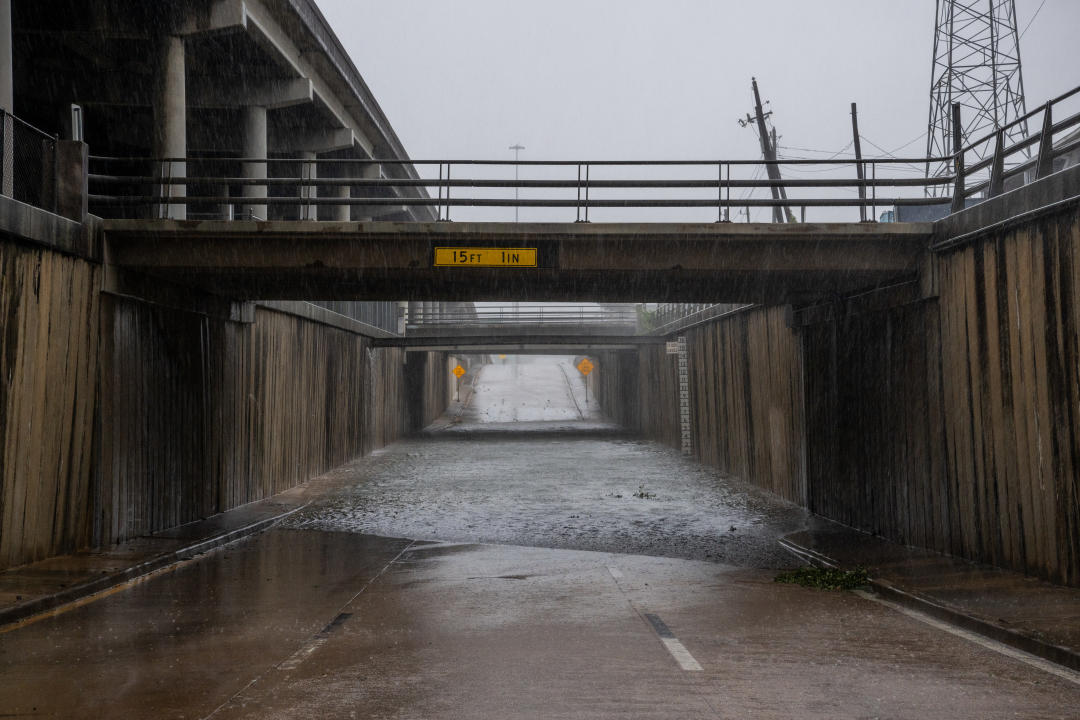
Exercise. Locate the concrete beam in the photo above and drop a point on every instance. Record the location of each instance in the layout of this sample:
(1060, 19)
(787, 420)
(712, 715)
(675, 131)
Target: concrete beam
(271, 94)
(520, 340)
(624, 262)
(28, 224)
(217, 16)
(320, 141)
(959, 228)
(265, 30)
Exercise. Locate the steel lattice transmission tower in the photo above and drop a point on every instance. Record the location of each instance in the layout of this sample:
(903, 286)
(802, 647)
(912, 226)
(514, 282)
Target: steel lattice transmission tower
(977, 64)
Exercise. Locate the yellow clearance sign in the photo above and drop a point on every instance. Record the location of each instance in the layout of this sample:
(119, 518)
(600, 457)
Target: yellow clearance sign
(484, 257)
(585, 367)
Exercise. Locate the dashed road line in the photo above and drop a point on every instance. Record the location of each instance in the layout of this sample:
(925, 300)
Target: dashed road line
(677, 649)
(314, 644)
(671, 643)
(294, 660)
(1027, 658)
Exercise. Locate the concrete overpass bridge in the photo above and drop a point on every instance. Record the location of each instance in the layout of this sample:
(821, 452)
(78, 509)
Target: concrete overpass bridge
(608, 262)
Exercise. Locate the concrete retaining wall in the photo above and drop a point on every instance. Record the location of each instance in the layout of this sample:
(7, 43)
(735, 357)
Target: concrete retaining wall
(48, 390)
(121, 417)
(948, 422)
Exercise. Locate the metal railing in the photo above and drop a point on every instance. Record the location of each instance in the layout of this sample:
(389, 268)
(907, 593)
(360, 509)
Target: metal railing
(28, 171)
(298, 188)
(529, 314)
(218, 185)
(1003, 167)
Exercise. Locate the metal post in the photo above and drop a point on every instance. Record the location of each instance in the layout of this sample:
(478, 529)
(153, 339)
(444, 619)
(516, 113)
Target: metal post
(578, 218)
(516, 148)
(719, 192)
(308, 171)
(997, 169)
(440, 192)
(586, 192)
(727, 208)
(447, 192)
(1045, 165)
(873, 192)
(958, 159)
(859, 170)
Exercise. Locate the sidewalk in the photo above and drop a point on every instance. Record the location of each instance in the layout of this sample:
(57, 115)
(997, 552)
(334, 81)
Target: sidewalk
(1026, 613)
(31, 589)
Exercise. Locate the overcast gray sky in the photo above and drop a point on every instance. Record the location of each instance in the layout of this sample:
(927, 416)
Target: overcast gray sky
(572, 79)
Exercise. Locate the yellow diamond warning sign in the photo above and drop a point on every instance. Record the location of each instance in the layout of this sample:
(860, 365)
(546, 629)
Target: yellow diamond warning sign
(585, 366)
(459, 371)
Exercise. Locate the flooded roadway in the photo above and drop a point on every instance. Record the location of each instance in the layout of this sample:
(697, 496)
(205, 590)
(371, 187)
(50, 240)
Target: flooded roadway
(516, 577)
(543, 473)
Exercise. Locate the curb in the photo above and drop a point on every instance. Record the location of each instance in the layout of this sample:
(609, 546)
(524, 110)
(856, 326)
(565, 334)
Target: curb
(1057, 654)
(44, 604)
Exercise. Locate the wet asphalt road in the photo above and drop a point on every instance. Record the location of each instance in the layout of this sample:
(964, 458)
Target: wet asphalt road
(651, 608)
(312, 624)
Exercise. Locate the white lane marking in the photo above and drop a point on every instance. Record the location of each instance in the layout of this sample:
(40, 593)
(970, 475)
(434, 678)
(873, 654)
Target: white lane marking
(357, 594)
(677, 649)
(301, 655)
(681, 654)
(1024, 657)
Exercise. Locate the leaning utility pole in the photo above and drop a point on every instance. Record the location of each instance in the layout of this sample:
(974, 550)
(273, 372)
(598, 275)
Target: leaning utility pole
(976, 63)
(768, 150)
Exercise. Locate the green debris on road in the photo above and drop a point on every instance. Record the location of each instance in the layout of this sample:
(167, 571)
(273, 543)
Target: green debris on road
(825, 578)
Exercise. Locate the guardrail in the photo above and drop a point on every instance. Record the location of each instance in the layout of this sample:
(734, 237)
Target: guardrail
(1008, 165)
(298, 188)
(529, 315)
(28, 172)
(220, 186)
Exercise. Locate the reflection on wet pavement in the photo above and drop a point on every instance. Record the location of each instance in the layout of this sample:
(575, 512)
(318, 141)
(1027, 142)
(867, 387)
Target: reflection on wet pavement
(554, 483)
(527, 389)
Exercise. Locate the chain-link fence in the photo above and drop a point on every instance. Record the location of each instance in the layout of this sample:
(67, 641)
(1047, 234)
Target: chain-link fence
(28, 171)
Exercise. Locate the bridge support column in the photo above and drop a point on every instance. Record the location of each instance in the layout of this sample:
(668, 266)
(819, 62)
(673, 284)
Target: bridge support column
(7, 98)
(308, 171)
(170, 124)
(342, 213)
(254, 147)
(372, 171)
(225, 210)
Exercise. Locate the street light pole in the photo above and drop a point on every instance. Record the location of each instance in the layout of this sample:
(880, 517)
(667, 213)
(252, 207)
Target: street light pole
(516, 148)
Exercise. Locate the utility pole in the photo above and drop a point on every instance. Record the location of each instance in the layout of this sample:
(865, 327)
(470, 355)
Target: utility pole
(516, 148)
(768, 150)
(859, 170)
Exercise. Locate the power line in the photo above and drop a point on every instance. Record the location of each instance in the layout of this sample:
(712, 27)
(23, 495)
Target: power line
(1032, 19)
(915, 139)
(887, 153)
(823, 152)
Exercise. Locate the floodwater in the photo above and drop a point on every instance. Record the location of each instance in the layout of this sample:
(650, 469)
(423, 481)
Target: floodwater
(519, 469)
